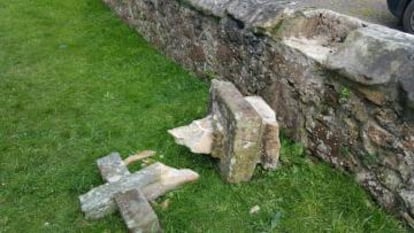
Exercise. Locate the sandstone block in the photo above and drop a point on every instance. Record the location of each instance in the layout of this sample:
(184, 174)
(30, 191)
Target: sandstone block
(270, 143)
(240, 131)
(198, 136)
(112, 167)
(170, 179)
(154, 181)
(137, 212)
(237, 132)
(372, 56)
(99, 202)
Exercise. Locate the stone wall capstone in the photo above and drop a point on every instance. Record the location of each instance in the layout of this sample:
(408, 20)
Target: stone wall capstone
(341, 86)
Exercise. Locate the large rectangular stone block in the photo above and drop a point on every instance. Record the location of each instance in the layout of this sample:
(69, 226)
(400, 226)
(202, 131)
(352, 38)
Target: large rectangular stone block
(154, 181)
(237, 134)
(99, 201)
(137, 212)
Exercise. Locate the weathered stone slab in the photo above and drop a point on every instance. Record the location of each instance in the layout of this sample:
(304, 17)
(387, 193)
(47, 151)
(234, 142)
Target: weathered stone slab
(270, 143)
(137, 212)
(237, 132)
(261, 13)
(210, 7)
(198, 136)
(99, 202)
(154, 181)
(372, 56)
(112, 167)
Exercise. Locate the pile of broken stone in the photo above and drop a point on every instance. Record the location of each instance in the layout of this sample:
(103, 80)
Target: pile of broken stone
(240, 131)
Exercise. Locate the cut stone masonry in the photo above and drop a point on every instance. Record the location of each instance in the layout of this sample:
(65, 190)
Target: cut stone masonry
(131, 193)
(342, 87)
(240, 131)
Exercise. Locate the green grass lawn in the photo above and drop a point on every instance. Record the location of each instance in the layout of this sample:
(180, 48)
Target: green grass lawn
(77, 84)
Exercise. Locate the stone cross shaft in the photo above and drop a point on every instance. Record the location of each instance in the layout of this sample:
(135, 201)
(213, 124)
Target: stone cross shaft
(240, 131)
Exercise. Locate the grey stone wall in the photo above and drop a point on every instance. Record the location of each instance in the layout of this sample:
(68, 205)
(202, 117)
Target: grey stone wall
(341, 86)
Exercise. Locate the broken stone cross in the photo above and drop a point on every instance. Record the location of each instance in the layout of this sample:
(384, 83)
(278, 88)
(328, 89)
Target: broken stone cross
(131, 193)
(240, 131)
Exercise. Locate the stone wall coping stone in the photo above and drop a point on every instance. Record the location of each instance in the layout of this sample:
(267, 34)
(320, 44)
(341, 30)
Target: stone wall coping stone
(370, 45)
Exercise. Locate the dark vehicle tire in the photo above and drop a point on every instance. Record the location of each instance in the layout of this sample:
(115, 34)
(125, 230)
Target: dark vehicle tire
(408, 18)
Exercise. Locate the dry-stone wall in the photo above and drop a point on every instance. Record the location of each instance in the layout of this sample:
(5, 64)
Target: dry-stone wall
(341, 86)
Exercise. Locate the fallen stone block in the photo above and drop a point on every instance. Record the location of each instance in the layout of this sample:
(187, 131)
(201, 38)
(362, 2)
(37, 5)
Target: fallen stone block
(237, 132)
(99, 201)
(135, 209)
(137, 212)
(246, 132)
(240, 131)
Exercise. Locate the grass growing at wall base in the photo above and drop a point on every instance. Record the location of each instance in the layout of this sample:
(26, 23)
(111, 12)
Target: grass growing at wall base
(76, 84)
